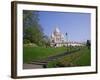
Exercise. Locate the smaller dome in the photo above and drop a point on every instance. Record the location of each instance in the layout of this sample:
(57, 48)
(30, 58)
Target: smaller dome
(52, 35)
(62, 35)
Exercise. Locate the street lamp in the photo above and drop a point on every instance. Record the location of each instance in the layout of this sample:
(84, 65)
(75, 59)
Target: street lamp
(67, 40)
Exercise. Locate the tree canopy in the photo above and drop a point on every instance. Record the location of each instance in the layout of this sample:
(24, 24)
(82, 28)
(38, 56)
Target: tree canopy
(88, 44)
(32, 30)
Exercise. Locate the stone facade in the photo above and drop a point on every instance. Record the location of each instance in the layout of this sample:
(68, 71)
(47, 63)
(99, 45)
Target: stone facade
(57, 39)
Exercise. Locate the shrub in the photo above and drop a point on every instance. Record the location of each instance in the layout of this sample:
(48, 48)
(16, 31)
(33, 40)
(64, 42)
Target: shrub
(26, 41)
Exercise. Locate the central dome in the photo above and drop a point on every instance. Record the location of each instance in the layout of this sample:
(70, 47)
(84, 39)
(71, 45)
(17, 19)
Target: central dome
(57, 30)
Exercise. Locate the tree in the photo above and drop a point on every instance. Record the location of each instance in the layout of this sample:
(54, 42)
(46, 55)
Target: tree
(32, 30)
(46, 41)
(88, 44)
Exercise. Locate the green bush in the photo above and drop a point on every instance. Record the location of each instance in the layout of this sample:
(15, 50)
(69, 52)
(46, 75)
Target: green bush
(26, 41)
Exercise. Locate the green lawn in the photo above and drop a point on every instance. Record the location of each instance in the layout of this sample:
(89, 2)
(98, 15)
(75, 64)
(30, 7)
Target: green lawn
(84, 59)
(36, 53)
(80, 58)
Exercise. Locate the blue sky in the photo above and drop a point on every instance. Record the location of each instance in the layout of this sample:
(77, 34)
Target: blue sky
(77, 25)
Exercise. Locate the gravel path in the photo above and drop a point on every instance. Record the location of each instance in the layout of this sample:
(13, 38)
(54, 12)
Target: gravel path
(32, 66)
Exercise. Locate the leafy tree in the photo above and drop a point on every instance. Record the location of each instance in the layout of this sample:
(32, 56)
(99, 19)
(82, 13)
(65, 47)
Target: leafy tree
(32, 30)
(46, 41)
(88, 44)
(26, 41)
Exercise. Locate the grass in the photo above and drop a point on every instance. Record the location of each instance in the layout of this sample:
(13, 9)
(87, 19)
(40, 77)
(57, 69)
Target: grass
(36, 53)
(80, 58)
(84, 59)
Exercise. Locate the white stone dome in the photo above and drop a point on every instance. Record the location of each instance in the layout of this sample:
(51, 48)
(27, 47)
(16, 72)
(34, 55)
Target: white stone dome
(57, 30)
(52, 35)
(62, 36)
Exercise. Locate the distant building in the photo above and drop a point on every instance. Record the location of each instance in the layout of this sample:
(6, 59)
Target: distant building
(57, 39)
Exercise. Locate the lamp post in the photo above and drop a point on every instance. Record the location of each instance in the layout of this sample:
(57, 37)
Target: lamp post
(67, 40)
